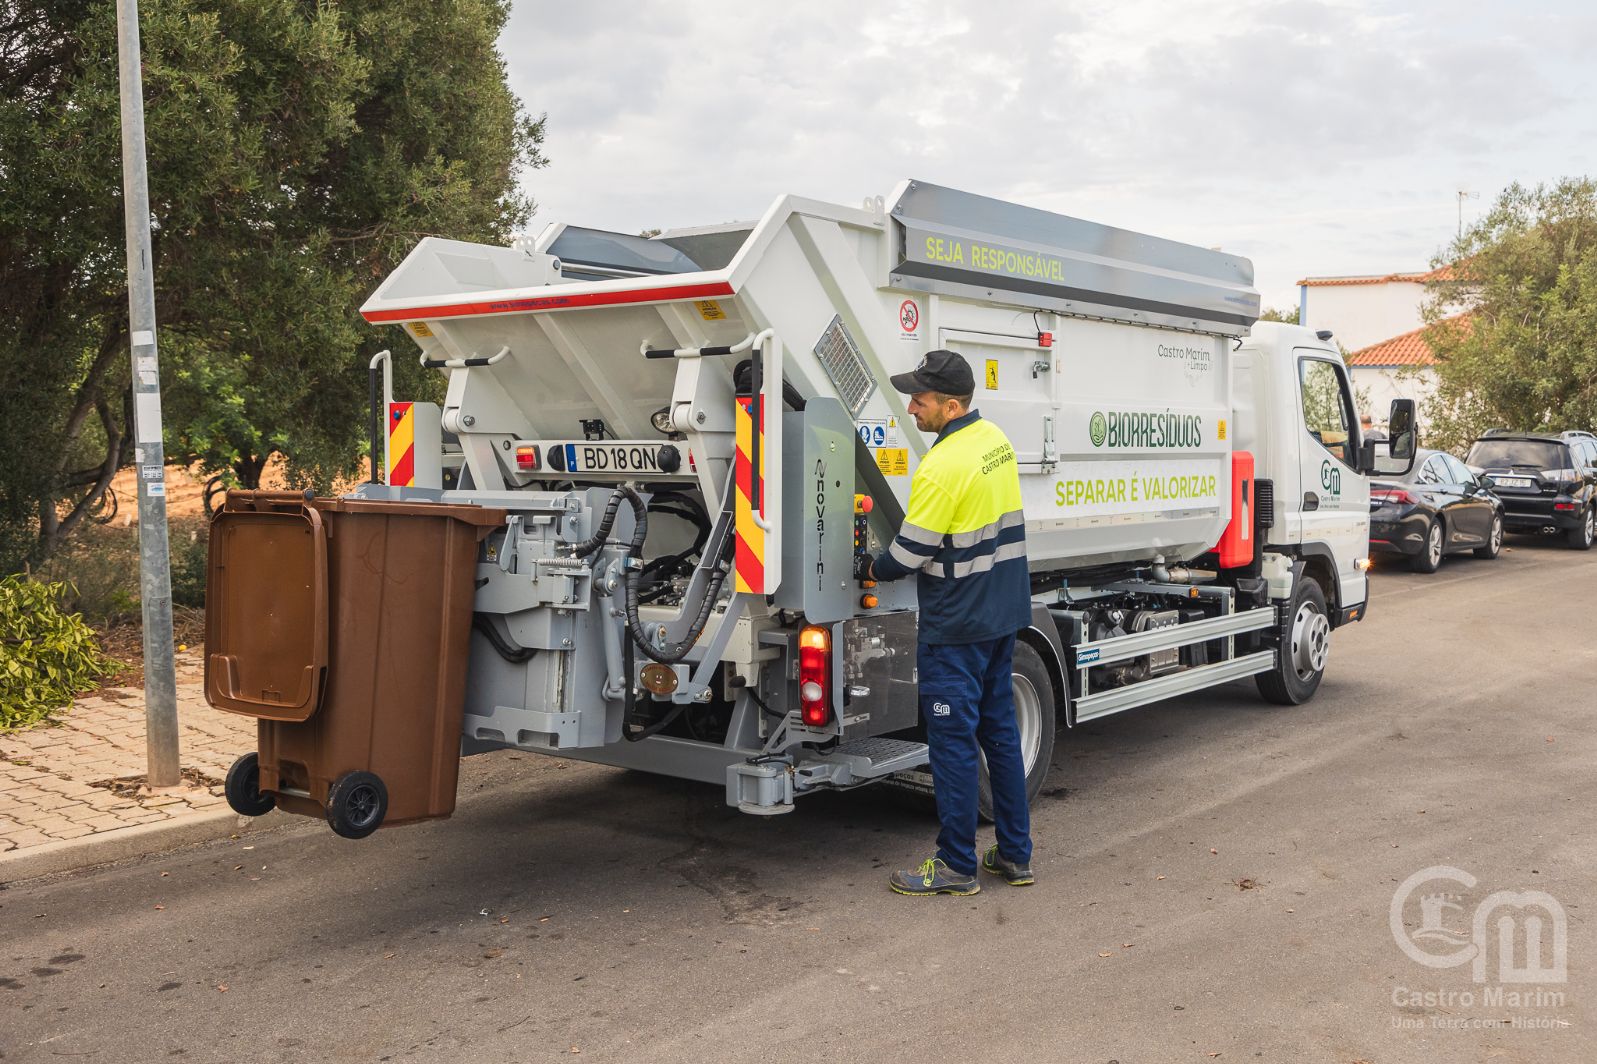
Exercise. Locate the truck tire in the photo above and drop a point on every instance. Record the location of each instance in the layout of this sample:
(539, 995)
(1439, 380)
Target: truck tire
(242, 788)
(1035, 714)
(1305, 645)
(1429, 559)
(1580, 538)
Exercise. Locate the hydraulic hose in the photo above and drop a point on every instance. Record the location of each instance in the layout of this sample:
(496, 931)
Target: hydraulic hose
(671, 653)
(602, 533)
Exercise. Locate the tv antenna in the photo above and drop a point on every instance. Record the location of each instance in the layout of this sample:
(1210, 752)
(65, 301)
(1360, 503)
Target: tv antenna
(1464, 194)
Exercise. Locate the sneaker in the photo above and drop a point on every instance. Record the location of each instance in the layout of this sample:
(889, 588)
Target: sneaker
(933, 877)
(1017, 875)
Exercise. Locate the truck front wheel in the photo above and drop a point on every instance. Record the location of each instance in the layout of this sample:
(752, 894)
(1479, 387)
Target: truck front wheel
(1034, 716)
(1305, 645)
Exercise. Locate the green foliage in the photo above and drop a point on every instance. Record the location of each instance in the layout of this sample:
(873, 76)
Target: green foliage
(47, 655)
(296, 153)
(1515, 327)
(189, 566)
(1290, 317)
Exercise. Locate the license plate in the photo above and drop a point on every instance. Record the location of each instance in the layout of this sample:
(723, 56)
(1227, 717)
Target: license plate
(611, 458)
(1513, 482)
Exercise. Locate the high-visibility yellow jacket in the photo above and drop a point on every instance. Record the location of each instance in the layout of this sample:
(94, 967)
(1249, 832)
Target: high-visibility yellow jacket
(964, 536)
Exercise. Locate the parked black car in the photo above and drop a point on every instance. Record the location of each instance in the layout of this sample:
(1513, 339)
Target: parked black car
(1439, 508)
(1546, 481)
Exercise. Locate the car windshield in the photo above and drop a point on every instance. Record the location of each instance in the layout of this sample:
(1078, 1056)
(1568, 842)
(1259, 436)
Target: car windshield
(1512, 454)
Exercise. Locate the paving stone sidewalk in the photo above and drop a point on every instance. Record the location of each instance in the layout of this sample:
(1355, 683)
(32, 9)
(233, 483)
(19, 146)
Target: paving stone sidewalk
(77, 778)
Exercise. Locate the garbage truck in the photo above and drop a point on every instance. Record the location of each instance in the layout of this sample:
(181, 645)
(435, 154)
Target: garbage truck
(683, 441)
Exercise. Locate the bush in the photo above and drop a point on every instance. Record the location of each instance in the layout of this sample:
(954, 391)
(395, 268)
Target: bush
(47, 655)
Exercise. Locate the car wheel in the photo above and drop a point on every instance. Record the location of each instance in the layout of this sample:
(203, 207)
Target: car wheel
(356, 804)
(242, 788)
(1581, 538)
(1304, 647)
(1035, 718)
(1494, 540)
(1429, 559)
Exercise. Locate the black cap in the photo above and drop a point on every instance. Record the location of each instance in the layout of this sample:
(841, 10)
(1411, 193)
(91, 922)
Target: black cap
(939, 371)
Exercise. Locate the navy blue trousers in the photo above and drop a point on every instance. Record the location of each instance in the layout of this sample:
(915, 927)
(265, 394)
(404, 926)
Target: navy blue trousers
(967, 699)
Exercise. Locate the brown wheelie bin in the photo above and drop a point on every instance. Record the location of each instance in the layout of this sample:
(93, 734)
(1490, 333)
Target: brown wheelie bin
(343, 626)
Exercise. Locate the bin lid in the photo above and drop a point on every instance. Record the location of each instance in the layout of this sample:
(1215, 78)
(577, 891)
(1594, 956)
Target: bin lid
(266, 623)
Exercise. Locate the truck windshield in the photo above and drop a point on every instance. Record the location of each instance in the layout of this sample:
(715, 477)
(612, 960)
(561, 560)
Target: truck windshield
(1511, 454)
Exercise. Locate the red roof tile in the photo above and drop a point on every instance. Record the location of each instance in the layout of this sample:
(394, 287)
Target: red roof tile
(1441, 273)
(1409, 349)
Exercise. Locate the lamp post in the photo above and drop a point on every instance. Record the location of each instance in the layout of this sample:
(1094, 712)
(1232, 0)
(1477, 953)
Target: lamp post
(155, 570)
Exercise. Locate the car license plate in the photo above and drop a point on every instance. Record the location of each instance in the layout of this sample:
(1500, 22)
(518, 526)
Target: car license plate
(1513, 482)
(611, 458)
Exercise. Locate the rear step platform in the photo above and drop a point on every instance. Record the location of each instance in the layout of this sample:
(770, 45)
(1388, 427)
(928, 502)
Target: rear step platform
(868, 759)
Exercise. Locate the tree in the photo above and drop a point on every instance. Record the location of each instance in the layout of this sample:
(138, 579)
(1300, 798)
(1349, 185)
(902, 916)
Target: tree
(1290, 317)
(1513, 323)
(297, 152)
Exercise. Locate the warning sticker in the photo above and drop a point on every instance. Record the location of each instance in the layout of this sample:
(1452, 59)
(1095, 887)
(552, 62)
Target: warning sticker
(909, 320)
(992, 374)
(419, 329)
(1222, 428)
(878, 432)
(710, 310)
(893, 461)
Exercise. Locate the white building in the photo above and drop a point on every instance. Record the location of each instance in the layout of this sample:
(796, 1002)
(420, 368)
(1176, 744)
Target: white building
(1365, 310)
(1402, 367)
(1378, 320)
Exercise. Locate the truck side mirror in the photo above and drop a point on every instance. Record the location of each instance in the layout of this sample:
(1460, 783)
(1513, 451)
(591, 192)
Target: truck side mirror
(1401, 446)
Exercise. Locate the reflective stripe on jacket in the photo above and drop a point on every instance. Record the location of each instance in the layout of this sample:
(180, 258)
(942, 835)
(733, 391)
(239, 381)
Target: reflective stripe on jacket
(964, 536)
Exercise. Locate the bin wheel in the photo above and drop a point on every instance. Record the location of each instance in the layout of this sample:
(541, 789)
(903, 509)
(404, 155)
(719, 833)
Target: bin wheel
(356, 804)
(243, 788)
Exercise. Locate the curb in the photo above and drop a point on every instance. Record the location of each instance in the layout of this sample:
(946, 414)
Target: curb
(138, 840)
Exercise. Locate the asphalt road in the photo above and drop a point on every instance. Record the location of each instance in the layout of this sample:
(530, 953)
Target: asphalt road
(1216, 877)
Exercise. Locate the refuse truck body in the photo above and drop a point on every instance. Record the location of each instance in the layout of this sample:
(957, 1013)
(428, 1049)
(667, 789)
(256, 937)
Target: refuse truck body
(691, 435)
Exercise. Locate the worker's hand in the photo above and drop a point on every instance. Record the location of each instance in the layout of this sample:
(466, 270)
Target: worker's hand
(862, 566)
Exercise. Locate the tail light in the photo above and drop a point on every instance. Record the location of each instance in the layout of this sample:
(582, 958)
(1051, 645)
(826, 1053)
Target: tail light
(1391, 496)
(526, 458)
(815, 675)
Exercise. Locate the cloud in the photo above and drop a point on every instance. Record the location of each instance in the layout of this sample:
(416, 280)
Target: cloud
(1316, 137)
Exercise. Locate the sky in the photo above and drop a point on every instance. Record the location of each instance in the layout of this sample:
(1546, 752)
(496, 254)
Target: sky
(1315, 137)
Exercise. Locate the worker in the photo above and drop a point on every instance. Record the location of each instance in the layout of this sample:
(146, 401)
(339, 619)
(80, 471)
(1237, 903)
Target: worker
(1367, 429)
(964, 536)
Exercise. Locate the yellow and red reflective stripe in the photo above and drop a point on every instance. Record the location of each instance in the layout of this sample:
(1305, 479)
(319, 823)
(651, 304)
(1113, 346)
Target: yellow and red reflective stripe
(749, 559)
(661, 294)
(401, 446)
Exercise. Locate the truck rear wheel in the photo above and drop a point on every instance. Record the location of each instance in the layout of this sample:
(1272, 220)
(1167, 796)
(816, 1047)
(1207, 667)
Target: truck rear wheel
(1035, 717)
(1305, 646)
